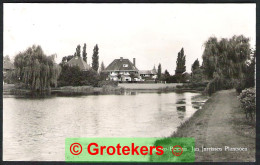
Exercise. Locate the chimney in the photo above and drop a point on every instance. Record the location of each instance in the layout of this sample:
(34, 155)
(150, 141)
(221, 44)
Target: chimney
(134, 61)
(121, 58)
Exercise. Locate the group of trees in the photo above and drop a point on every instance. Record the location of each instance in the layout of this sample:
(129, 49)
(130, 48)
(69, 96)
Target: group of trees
(35, 69)
(197, 74)
(226, 57)
(77, 53)
(72, 75)
(95, 56)
(227, 62)
(180, 71)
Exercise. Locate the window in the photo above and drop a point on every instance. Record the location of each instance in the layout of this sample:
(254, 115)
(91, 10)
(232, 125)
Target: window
(125, 65)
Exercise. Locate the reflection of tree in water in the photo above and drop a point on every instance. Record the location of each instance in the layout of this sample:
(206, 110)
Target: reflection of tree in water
(198, 101)
(196, 105)
(130, 93)
(181, 108)
(181, 111)
(181, 101)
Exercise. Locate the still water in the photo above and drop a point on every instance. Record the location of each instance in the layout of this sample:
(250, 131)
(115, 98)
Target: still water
(34, 129)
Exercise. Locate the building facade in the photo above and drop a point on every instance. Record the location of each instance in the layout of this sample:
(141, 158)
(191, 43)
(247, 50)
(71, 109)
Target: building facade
(122, 70)
(148, 74)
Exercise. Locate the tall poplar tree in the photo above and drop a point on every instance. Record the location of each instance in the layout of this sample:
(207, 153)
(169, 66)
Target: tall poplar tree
(159, 73)
(95, 58)
(102, 67)
(78, 51)
(84, 52)
(180, 62)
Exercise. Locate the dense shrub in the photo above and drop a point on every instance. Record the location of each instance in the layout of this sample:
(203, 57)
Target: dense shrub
(196, 85)
(10, 77)
(217, 84)
(73, 76)
(247, 99)
(21, 85)
(247, 82)
(103, 75)
(179, 86)
(170, 79)
(107, 83)
(240, 86)
(197, 76)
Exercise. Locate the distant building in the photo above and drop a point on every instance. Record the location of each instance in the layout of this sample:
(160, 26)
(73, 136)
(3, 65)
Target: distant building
(122, 70)
(7, 66)
(148, 74)
(78, 61)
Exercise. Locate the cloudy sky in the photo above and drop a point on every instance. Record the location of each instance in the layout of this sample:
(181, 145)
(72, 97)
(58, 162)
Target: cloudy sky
(152, 33)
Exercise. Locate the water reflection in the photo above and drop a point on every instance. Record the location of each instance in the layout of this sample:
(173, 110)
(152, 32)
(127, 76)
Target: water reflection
(181, 101)
(42, 124)
(130, 92)
(181, 108)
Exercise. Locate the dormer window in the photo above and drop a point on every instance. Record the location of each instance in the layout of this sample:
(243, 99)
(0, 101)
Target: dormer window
(125, 65)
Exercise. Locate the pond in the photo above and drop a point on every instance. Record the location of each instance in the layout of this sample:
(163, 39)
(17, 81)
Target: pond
(34, 129)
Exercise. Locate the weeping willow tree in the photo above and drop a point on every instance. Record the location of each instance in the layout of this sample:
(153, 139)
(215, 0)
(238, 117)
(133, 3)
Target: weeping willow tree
(225, 61)
(227, 58)
(36, 70)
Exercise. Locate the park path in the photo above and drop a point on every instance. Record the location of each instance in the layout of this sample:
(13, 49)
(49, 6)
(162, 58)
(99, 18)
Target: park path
(220, 131)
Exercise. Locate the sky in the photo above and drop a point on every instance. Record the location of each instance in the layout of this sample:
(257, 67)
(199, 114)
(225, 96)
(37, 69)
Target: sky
(151, 33)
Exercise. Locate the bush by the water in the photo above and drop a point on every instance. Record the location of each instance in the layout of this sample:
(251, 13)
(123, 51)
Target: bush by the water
(196, 84)
(217, 84)
(107, 83)
(247, 100)
(73, 76)
(10, 77)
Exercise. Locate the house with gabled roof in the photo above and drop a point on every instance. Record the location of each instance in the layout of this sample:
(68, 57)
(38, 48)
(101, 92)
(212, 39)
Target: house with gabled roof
(78, 61)
(148, 74)
(122, 70)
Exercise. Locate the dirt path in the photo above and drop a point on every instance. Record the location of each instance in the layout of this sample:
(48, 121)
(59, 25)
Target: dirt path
(216, 126)
(220, 131)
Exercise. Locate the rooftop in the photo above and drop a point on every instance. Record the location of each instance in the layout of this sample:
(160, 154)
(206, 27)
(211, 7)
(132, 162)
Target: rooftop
(121, 65)
(78, 61)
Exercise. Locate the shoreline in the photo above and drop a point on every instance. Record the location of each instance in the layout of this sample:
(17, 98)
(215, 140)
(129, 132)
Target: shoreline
(10, 89)
(219, 123)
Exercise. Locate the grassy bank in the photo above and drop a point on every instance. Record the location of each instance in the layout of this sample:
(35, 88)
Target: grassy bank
(221, 122)
(148, 86)
(70, 90)
(10, 89)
